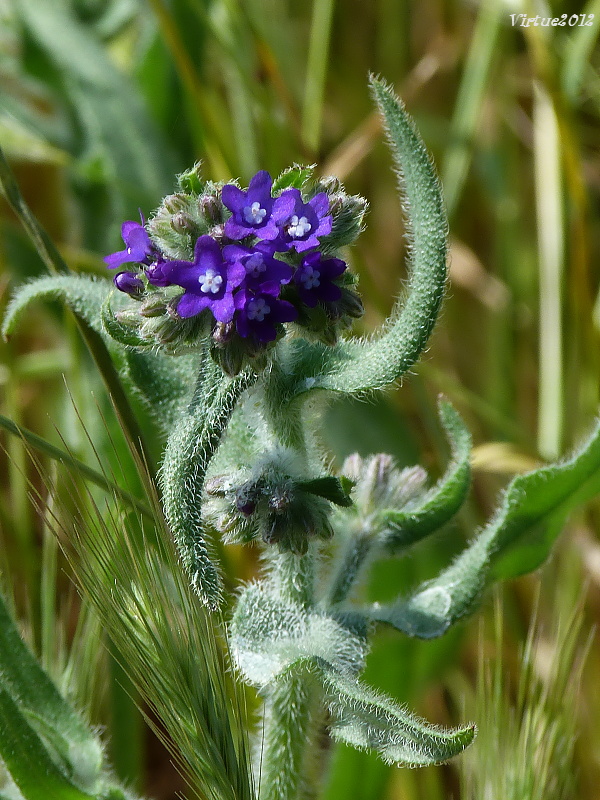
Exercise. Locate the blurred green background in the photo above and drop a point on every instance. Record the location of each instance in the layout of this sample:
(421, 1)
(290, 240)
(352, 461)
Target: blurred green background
(102, 102)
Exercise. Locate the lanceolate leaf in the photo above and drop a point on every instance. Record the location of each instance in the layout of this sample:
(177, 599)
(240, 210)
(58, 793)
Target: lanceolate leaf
(371, 721)
(272, 640)
(355, 367)
(28, 761)
(533, 510)
(443, 500)
(29, 698)
(190, 448)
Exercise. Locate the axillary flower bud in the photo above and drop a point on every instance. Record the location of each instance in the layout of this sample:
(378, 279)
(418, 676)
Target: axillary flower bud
(272, 506)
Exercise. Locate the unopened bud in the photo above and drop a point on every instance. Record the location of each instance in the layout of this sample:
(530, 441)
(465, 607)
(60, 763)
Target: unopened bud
(212, 209)
(183, 223)
(175, 202)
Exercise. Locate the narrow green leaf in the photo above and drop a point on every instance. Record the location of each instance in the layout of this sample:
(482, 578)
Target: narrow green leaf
(22, 678)
(386, 358)
(443, 500)
(519, 537)
(272, 639)
(579, 49)
(268, 635)
(356, 367)
(28, 761)
(190, 448)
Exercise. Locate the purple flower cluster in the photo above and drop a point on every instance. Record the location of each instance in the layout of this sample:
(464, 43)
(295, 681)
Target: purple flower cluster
(239, 273)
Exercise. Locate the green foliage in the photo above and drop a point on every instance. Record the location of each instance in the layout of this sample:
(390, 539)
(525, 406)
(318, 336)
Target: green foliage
(517, 540)
(47, 749)
(272, 639)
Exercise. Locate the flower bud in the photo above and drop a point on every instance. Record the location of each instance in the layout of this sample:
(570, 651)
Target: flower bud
(129, 283)
(183, 223)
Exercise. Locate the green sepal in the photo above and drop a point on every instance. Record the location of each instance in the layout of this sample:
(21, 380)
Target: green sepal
(532, 512)
(336, 490)
(85, 296)
(438, 505)
(125, 335)
(191, 180)
(293, 177)
(272, 639)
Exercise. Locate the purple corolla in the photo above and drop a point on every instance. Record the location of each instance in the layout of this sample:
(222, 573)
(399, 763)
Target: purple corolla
(250, 210)
(297, 224)
(258, 313)
(138, 247)
(259, 265)
(208, 281)
(314, 278)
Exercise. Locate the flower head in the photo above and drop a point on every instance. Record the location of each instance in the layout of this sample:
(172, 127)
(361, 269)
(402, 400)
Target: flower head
(139, 247)
(314, 278)
(299, 224)
(258, 313)
(250, 210)
(207, 280)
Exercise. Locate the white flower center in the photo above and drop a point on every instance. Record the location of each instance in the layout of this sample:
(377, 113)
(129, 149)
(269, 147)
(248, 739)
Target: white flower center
(311, 278)
(210, 282)
(298, 227)
(255, 265)
(254, 214)
(257, 309)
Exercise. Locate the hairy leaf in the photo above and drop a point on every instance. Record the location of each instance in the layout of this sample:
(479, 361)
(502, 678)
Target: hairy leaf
(531, 514)
(23, 680)
(83, 295)
(190, 448)
(27, 760)
(443, 500)
(268, 635)
(273, 640)
(369, 720)
(355, 367)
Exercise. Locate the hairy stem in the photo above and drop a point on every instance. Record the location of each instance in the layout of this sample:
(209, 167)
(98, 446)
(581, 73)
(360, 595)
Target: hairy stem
(288, 743)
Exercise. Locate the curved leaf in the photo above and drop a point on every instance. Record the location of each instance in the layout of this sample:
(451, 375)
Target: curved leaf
(356, 367)
(84, 295)
(190, 448)
(273, 640)
(442, 501)
(532, 513)
(27, 760)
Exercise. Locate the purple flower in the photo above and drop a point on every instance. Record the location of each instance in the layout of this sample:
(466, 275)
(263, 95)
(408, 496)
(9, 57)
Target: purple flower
(299, 224)
(259, 312)
(314, 279)
(259, 265)
(250, 210)
(207, 280)
(139, 246)
(129, 283)
(158, 273)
